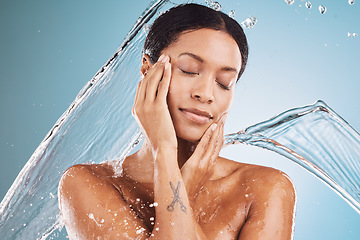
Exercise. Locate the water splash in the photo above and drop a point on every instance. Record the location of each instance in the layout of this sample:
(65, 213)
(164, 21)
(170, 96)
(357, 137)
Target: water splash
(249, 22)
(289, 2)
(316, 138)
(214, 5)
(322, 9)
(232, 14)
(308, 4)
(88, 132)
(351, 2)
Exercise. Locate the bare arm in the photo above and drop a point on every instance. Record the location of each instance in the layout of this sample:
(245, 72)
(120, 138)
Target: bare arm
(174, 215)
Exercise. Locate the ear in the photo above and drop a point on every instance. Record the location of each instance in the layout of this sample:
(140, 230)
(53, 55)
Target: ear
(145, 65)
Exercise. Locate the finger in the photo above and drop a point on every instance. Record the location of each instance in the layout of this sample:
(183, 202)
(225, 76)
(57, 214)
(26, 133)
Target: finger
(136, 97)
(204, 144)
(200, 148)
(215, 143)
(156, 77)
(165, 82)
(209, 149)
(218, 145)
(144, 82)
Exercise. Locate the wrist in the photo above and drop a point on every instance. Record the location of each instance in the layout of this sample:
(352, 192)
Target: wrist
(165, 149)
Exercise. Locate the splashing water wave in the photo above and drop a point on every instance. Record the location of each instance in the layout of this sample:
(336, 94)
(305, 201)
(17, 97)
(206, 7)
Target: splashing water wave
(316, 138)
(98, 127)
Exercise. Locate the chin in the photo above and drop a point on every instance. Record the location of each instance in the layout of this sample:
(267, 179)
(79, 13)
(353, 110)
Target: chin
(191, 134)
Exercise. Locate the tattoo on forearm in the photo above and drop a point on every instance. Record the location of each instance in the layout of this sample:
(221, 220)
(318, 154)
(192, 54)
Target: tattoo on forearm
(176, 199)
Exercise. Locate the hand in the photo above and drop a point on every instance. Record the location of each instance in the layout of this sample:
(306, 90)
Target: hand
(150, 107)
(199, 167)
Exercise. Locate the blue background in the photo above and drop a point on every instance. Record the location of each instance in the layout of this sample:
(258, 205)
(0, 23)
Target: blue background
(50, 49)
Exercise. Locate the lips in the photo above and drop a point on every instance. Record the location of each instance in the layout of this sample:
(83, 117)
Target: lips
(196, 115)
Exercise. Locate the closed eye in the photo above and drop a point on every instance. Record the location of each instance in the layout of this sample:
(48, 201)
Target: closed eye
(223, 86)
(189, 73)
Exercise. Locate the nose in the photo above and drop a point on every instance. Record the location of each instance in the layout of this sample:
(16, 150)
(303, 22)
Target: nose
(203, 90)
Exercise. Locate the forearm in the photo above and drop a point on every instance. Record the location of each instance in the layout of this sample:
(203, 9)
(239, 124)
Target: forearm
(174, 216)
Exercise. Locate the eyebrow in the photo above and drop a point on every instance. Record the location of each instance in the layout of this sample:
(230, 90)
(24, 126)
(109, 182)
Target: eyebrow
(198, 58)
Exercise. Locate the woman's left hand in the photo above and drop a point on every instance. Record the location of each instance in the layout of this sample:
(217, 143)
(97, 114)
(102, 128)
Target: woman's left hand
(199, 167)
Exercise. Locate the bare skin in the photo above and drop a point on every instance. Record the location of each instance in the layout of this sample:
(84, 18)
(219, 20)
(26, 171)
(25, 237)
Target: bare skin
(177, 186)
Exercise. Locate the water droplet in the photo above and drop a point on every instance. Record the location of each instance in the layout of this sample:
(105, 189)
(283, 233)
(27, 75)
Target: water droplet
(232, 14)
(246, 195)
(155, 204)
(308, 4)
(24, 224)
(289, 2)
(216, 6)
(322, 9)
(349, 34)
(249, 22)
(152, 218)
(209, 2)
(146, 29)
(138, 199)
(354, 34)
(351, 2)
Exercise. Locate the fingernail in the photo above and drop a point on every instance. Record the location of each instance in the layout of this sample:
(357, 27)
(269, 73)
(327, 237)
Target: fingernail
(213, 127)
(164, 59)
(161, 57)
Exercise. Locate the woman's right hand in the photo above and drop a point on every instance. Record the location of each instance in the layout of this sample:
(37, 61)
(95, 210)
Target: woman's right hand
(150, 107)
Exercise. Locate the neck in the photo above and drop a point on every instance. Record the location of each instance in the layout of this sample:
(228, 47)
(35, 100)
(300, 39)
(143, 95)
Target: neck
(185, 150)
(140, 165)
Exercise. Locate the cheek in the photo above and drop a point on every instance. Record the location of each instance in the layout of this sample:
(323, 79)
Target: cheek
(177, 87)
(224, 100)
(174, 93)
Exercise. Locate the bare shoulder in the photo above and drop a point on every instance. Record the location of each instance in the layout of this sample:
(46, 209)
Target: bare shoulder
(91, 204)
(79, 176)
(269, 197)
(259, 180)
(86, 181)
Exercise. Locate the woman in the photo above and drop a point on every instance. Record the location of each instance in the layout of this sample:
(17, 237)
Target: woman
(177, 186)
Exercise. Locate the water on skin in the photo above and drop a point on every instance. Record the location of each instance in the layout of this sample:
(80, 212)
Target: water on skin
(89, 132)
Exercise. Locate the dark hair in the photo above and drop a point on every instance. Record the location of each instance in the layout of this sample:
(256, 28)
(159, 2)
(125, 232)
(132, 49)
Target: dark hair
(167, 27)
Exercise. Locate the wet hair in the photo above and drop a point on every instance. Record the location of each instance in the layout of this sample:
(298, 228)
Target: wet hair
(168, 27)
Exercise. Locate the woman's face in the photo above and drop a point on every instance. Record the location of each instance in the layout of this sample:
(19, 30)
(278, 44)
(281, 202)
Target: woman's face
(205, 65)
